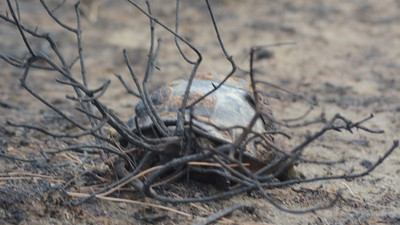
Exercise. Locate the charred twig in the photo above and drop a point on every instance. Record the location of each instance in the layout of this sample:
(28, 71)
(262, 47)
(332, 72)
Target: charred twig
(176, 38)
(17, 158)
(151, 63)
(291, 93)
(7, 104)
(219, 214)
(58, 135)
(126, 86)
(338, 177)
(300, 117)
(125, 177)
(16, 20)
(51, 14)
(228, 57)
(299, 211)
(180, 117)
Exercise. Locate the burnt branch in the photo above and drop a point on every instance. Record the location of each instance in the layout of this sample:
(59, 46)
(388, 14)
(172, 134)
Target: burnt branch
(228, 57)
(219, 214)
(176, 31)
(16, 20)
(126, 86)
(17, 158)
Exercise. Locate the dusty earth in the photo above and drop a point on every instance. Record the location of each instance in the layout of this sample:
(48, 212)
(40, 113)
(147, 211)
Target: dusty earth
(345, 57)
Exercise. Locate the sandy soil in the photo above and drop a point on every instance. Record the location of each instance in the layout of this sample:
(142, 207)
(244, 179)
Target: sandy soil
(345, 57)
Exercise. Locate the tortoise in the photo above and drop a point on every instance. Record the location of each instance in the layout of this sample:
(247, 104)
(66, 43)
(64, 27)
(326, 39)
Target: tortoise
(231, 105)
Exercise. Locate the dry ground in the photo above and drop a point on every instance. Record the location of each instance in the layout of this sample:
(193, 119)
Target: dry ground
(346, 57)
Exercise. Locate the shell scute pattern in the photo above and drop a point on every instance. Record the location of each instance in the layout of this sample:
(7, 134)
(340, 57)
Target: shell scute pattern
(229, 106)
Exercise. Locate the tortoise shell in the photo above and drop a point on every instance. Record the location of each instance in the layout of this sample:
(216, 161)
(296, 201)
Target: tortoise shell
(229, 106)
